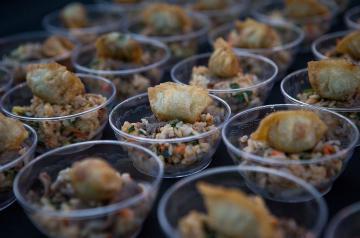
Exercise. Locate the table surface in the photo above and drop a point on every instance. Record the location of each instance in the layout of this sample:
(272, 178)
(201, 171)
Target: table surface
(13, 221)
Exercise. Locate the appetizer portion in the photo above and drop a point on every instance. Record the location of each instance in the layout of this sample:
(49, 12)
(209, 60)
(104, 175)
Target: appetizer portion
(305, 129)
(58, 92)
(219, 11)
(12, 133)
(254, 35)
(118, 46)
(166, 19)
(13, 145)
(232, 213)
(83, 23)
(335, 83)
(225, 71)
(313, 16)
(179, 111)
(74, 15)
(88, 184)
(348, 48)
(54, 47)
(116, 53)
(297, 135)
(170, 101)
(303, 9)
(179, 29)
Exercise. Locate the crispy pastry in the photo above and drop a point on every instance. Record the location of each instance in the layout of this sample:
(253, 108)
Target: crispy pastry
(94, 179)
(291, 131)
(118, 46)
(254, 35)
(57, 46)
(335, 79)
(305, 8)
(166, 19)
(53, 83)
(350, 45)
(234, 214)
(74, 15)
(169, 101)
(12, 133)
(193, 225)
(223, 62)
(210, 5)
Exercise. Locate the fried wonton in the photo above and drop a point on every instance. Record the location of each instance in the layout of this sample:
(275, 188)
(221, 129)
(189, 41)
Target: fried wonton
(74, 16)
(170, 101)
(210, 5)
(166, 19)
(13, 133)
(93, 179)
(118, 46)
(57, 46)
(305, 8)
(336, 79)
(252, 34)
(53, 83)
(193, 225)
(350, 45)
(291, 131)
(224, 62)
(232, 213)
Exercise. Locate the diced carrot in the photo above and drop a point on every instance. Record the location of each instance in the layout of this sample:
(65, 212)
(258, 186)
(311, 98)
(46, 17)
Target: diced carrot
(276, 153)
(180, 149)
(126, 213)
(328, 149)
(80, 135)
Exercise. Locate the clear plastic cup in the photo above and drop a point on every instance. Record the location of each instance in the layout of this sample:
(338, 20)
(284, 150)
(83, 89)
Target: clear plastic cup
(321, 46)
(320, 172)
(120, 219)
(103, 18)
(352, 18)
(52, 130)
(134, 79)
(182, 45)
(298, 81)
(283, 55)
(11, 165)
(233, 10)
(264, 68)
(313, 27)
(138, 107)
(18, 68)
(183, 197)
(130, 9)
(6, 80)
(346, 223)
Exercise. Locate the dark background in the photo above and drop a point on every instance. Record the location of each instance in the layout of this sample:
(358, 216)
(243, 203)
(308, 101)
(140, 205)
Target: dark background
(20, 16)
